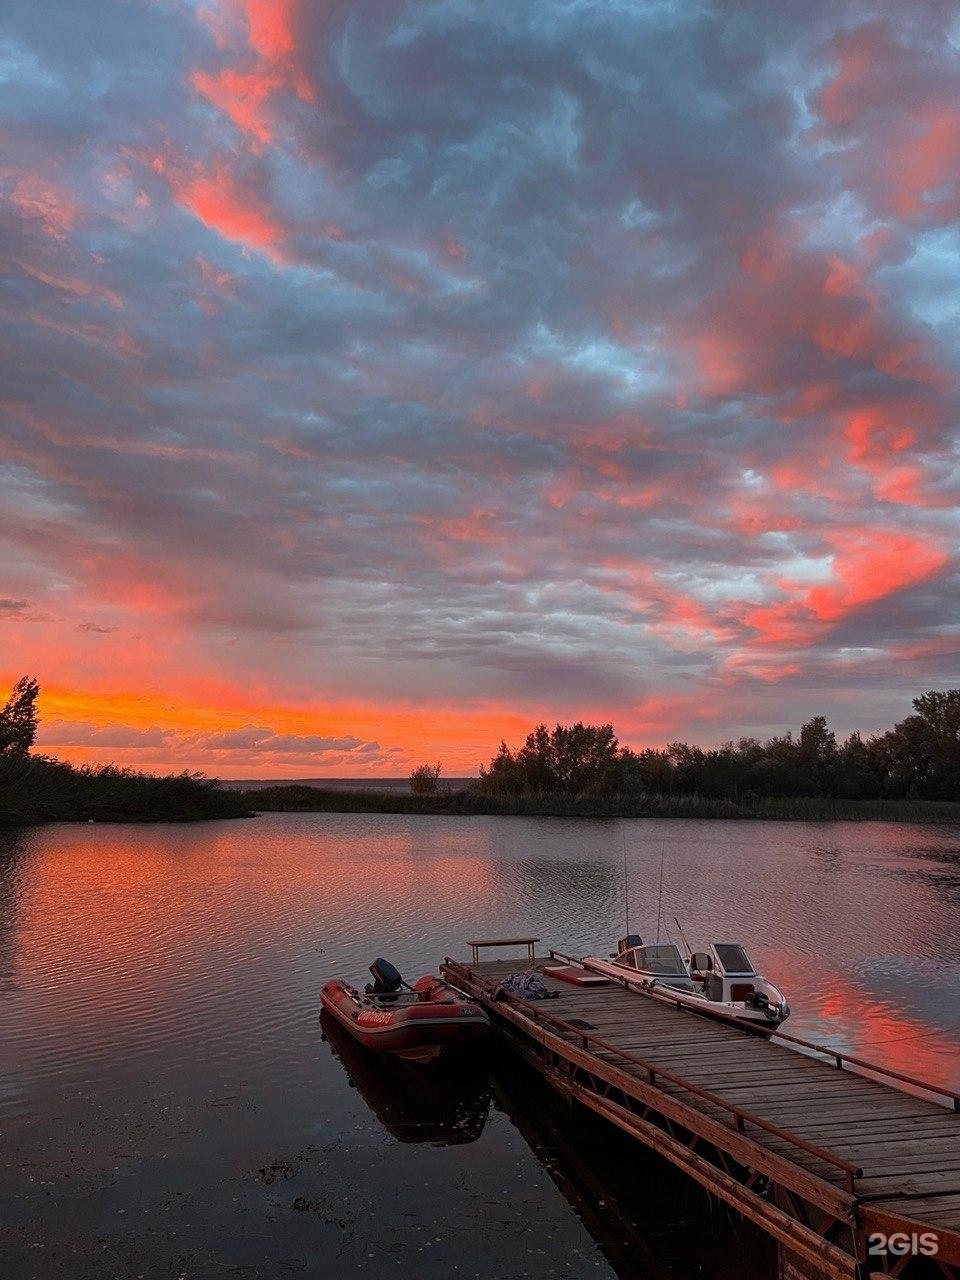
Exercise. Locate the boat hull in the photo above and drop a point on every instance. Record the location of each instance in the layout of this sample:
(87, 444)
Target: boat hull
(418, 1029)
(731, 1010)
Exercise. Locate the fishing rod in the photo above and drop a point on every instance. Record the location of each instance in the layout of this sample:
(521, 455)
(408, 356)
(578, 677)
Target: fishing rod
(660, 894)
(683, 936)
(626, 891)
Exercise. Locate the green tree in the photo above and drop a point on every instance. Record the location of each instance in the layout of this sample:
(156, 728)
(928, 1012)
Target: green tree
(501, 778)
(817, 749)
(918, 757)
(922, 752)
(18, 718)
(861, 769)
(583, 758)
(425, 779)
(940, 713)
(534, 763)
(576, 760)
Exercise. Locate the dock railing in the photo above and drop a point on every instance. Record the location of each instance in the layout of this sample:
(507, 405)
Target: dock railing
(740, 1117)
(840, 1058)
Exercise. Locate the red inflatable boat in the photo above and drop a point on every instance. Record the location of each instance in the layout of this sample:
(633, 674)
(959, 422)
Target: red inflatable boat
(417, 1022)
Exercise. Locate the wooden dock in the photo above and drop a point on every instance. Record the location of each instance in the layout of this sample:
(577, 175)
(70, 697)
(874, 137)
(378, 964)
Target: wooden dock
(853, 1169)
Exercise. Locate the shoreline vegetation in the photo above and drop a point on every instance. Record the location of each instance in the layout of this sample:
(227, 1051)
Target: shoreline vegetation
(36, 789)
(471, 802)
(909, 774)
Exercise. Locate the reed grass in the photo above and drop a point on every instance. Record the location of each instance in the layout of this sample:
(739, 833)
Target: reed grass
(309, 799)
(37, 789)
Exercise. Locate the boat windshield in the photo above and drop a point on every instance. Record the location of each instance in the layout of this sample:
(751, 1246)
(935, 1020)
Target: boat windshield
(662, 958)
(733, 958)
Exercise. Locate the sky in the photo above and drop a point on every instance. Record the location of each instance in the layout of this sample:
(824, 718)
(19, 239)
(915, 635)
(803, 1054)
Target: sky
(380, 379)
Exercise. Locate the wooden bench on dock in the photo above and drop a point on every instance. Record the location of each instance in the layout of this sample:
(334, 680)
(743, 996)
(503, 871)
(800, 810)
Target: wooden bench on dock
(823, 1157)
(476, 943)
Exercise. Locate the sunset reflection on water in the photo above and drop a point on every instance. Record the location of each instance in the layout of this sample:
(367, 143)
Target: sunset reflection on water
(159, 1040)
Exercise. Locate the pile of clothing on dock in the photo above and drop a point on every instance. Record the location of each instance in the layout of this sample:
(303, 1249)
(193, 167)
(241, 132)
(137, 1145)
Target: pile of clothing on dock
(527, 985)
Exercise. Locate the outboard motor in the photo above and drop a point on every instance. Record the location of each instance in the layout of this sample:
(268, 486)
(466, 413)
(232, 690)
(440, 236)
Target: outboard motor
(628, 943)
(386, 979)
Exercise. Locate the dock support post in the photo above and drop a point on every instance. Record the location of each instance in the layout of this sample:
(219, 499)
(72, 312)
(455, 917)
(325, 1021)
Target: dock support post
(792, 1267)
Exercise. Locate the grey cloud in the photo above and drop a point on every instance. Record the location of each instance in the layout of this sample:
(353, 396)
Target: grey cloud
(423, 455)
(79, 734)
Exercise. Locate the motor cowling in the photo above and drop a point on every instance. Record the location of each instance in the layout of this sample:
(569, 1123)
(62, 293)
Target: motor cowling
(386, 979)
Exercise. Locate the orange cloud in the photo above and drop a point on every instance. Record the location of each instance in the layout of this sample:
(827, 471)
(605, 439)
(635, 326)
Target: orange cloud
(668, 611)
(462, 736)
(269, 61)
(900, 126)
(226, 204)
(788, 298)
(271, 26)
(927, 161)
(768, 672)
(868, 565)
(878, 432)
(874, 564)
(242, 96)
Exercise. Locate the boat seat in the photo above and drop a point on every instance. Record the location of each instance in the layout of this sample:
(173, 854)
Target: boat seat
(386, 979)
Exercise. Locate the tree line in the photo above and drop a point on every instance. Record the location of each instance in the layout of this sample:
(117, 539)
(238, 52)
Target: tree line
(919, 758)
(34, 788)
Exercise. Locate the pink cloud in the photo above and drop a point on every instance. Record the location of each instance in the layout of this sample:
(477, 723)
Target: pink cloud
(76, 286)
(242, 96)
(923, 170)
(868, 565)
(47, 202)
(898, 121)
(268, 61)
(226, 202)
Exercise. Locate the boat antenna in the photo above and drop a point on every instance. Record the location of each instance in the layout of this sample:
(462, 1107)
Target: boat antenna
(626, 891)
(683, 936)
(660, 894)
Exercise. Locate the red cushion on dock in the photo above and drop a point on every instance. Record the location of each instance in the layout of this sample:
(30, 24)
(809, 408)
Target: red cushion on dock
(575, 975)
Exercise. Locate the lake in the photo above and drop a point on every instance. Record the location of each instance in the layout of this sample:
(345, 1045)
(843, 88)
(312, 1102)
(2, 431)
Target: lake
(171, 1108)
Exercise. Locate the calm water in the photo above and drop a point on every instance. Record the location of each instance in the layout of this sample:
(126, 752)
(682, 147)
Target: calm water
(170, 1108)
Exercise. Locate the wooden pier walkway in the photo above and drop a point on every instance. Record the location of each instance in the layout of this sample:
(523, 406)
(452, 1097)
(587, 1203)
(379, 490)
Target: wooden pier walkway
(854, 1175)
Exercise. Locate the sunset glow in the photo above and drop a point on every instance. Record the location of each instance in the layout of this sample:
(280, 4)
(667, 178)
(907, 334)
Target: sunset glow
(379, 380)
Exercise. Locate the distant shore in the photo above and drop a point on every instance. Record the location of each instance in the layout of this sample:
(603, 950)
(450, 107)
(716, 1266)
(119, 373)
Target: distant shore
(911, 773)
(468, 802)
(37, 790)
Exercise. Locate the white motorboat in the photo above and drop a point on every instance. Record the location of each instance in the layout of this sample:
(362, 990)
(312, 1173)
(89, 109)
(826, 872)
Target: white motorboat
(722, 979)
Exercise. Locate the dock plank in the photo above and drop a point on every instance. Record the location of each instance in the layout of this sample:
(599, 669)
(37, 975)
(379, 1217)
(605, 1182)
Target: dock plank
(907, 1146)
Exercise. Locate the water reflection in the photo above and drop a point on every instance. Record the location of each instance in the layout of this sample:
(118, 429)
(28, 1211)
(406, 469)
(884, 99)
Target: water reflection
(445, 1103)
(636, 1206)
(159, 1041)
(650, 1221)
(13, 851)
